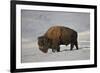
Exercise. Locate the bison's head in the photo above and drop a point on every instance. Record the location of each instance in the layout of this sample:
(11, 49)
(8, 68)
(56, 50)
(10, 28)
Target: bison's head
(44, 44)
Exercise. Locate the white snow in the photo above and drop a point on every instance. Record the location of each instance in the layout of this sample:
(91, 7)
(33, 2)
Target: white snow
(35, 55)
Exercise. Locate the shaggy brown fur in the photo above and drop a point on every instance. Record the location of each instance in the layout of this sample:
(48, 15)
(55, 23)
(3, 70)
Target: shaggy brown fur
(56, 36)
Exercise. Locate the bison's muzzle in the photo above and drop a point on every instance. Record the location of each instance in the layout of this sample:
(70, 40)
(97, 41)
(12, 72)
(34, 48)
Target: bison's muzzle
(44, 50)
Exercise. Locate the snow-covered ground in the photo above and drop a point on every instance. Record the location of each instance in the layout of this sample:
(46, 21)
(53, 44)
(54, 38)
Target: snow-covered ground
(35, 55)
(36, 22)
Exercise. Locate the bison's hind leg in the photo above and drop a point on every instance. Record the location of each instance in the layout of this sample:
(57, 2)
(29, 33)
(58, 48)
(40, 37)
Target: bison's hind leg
(72, 45)
(76, 44)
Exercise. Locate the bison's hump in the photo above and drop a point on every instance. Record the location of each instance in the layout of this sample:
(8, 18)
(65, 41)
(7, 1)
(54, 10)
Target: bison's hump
(55, 32)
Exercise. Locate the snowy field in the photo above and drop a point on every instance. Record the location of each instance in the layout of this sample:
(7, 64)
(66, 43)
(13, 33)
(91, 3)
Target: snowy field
(35, 23)
(35, 55)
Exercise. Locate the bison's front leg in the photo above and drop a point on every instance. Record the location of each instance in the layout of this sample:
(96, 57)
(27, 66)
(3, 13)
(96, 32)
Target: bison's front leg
(58, 49)
(53, 50)
(55, 46)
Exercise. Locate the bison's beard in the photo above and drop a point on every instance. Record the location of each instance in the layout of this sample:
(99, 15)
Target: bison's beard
(44, 50)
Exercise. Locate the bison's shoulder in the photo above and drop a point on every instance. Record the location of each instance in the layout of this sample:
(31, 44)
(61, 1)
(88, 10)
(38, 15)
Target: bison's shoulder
(53, 32)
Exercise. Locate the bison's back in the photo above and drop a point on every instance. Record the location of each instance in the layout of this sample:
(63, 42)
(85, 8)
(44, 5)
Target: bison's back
(61, 33)
(68, 35)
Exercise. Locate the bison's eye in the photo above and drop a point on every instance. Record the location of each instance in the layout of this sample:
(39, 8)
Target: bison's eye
(40, 43)
(43, 41)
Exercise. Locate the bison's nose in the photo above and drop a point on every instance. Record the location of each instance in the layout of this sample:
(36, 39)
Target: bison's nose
(44, 50)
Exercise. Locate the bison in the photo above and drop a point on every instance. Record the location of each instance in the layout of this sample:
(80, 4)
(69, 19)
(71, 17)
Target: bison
(56, 36)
